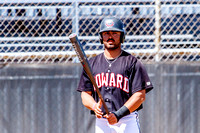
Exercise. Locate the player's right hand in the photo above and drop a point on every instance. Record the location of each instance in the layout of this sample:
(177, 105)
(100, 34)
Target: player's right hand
(97, 109)
(112, 119)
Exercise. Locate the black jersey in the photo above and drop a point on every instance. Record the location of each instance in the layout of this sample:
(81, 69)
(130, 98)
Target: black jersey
(117, 80)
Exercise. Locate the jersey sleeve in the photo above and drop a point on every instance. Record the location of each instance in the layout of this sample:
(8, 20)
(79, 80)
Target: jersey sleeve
(140, 78)
(84, 84)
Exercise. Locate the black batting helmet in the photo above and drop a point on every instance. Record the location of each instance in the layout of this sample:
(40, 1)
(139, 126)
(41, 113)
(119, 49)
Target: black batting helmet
(112, 24)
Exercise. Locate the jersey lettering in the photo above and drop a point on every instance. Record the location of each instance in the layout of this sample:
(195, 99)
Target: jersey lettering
(112, 80)
(104, 79)
(125, 88)
(98, 80)
(119, 81)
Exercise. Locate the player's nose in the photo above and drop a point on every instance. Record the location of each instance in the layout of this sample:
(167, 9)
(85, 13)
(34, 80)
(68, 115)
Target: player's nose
(110, 36)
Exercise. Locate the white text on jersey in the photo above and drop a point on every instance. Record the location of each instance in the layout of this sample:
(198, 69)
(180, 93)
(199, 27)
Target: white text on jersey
(112, 80)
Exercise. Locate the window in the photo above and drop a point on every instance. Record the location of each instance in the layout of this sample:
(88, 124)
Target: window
(9, 12)
(20, 12)
(38, 12)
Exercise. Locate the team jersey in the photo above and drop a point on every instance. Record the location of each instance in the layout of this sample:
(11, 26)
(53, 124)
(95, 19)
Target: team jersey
(117, 81)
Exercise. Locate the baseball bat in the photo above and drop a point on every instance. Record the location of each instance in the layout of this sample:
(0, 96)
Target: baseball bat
(84, 61)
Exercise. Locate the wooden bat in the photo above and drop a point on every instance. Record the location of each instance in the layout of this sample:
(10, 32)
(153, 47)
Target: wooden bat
(83, 59)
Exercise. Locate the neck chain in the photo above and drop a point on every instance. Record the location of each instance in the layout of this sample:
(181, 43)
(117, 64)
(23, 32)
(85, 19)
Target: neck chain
(110, 63)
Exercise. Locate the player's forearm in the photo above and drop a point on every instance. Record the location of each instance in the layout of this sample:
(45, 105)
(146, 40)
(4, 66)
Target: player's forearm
(131, 105)
(87, 100)
(135, 100)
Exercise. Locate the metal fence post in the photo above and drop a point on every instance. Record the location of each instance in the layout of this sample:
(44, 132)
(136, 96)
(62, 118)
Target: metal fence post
(75, 18)
(157, 29)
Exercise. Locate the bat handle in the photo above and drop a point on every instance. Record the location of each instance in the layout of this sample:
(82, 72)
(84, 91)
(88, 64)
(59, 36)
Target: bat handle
(103, 102)
(105, 107)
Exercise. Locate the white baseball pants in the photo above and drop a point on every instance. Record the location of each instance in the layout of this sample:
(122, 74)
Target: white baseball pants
(127, 124)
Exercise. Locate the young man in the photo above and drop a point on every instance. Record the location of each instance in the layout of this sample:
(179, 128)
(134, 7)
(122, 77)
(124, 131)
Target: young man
(122, 80)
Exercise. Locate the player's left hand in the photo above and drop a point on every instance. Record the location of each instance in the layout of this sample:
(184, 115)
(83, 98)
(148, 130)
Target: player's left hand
(97, 109)
(111, 118)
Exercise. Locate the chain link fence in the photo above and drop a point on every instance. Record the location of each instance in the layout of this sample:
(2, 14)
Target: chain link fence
(156, 30)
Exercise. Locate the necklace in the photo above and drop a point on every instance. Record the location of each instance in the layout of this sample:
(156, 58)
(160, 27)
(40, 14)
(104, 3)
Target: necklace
(110, 63)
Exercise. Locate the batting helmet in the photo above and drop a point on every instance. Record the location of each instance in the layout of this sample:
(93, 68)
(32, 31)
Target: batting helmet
(112, 24)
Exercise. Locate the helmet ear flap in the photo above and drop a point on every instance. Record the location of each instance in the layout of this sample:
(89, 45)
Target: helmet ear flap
(100, 38)
(122, 37)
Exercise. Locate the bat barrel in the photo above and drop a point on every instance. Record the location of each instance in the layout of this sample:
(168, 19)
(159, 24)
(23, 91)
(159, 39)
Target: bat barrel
(83, 59)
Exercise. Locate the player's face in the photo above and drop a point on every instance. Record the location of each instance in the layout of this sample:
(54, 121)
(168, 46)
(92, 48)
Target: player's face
(111, 39)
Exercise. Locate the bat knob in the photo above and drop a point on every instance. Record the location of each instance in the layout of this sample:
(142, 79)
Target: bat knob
(72, 35)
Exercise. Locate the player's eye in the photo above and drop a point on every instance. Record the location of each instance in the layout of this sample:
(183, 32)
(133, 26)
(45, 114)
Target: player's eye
(115, 33)
(111, 33)
(105, 33)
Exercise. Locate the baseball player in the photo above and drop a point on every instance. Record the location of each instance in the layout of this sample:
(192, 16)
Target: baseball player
(121, 79)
